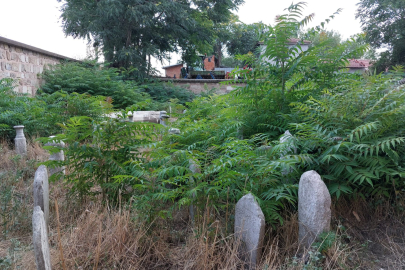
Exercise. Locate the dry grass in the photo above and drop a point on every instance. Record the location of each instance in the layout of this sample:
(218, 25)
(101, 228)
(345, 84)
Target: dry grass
(94, 236)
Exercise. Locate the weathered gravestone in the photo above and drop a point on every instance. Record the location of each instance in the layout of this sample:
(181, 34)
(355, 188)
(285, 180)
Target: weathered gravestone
(59, 156)
(41, 191)
(20, 141)
(313, 208)
(249, 229)
(40, 240)
(194, 168)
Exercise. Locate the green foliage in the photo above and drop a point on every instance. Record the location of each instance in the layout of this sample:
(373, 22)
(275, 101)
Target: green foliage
(129, 32)
(384, 24)
(347, 127)
(163, 93)
(98, 152)
(90, 78)
(41, 114)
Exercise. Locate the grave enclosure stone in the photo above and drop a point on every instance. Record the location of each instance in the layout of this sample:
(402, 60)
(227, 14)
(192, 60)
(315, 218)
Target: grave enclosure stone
(249, 228)
(20, 141)
(41, 191)
(40, 240)
(60, 156)
(314, 212)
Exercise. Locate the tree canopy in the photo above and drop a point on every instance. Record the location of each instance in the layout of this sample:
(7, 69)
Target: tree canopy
(384, 23)
(130, 32)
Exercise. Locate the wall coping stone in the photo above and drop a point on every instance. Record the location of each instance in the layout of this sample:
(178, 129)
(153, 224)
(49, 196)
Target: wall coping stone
(199, 80)
(34, 49)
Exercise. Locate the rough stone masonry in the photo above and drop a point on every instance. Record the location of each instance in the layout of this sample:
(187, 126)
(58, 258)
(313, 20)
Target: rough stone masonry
(314, 212)
(249, 228)
(24, 63)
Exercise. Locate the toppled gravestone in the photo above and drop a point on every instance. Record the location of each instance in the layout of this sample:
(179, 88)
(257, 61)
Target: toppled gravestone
(20, 141)
(314, 212)
(249, 229)
(40, 240)
(41, 191)
(59, 156)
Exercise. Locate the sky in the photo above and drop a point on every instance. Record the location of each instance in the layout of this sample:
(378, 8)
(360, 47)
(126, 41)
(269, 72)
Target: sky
(37, 22)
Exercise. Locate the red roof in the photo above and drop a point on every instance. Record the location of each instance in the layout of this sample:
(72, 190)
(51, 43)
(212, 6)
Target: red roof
(172, 66)
(359, 63)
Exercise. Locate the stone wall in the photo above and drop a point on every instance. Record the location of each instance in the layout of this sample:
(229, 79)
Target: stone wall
(198, 86)
(24, 63)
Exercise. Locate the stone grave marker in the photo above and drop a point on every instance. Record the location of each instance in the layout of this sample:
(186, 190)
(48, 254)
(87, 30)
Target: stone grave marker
(20, 141)
(40, 240)
(314, 212)
(194, 168)
(249, 228)
(41, 191)
(60, 156)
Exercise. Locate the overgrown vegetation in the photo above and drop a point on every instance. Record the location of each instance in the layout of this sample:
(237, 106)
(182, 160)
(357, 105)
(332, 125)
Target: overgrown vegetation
(347, 127)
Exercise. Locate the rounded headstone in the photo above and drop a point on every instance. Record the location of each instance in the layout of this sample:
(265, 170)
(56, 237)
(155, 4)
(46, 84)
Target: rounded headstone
(249, 228)
(41, 191)
(40, 240)
(314, 212)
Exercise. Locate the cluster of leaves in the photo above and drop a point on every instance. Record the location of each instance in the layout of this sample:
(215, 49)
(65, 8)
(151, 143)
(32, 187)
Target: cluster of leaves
(99, 151)
(384, 24)
(92, 79)
(41, 114)
(130, 32)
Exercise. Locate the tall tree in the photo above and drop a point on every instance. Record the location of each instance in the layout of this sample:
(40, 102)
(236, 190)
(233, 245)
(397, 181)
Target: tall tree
(384, 23)
(129, 32)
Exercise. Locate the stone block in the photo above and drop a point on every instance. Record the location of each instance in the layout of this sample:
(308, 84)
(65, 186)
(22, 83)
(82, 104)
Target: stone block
(40, 240)
(7, 66)
(41, 191)
(8, 55)
(32, 60)
(15, 57)
(314, 212)
(17, 49)
(16, 67)
(249, 229)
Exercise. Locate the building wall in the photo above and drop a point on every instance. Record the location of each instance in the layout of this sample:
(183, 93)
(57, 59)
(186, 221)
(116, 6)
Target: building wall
(209, 63)
(200, 86)
(24, 65)
(175, 70)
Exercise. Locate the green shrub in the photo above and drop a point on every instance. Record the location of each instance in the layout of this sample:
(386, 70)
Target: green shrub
(98, 152)
(41, 114)
(93, 79)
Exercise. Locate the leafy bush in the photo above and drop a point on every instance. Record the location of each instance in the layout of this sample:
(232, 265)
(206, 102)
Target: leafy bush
(164, 92)
(41, 114)
(93, 79)
(98, 152)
